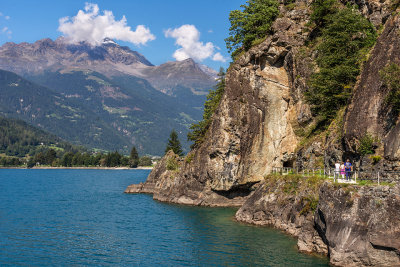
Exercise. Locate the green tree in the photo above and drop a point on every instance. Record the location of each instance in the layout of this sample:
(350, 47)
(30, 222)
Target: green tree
(66, 160)
(145, 161)
(77, 159)
(115, 159)
(251, 23)
(86, 159)
(31, 163)
(124, 161)
(40, 158)
(50, 156)
(96, 159)
(174, 144)
(322, 9)
(344, 42)
(133, 158)
(199, 130)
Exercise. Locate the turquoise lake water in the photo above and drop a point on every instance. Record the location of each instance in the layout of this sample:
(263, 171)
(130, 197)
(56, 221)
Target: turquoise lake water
(82, 217)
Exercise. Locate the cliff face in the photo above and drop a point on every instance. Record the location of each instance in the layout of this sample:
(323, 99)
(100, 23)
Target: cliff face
(360, 225)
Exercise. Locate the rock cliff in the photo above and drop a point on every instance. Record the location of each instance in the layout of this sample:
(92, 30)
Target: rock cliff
(368, 112)
(251, 131)
(260, 124)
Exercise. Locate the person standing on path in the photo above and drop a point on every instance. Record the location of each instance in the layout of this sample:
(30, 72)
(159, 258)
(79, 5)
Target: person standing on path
(342, 172)
(337, 171)
(348, 169)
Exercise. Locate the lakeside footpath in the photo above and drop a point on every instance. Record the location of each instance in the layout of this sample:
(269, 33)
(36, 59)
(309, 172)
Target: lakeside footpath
(81, 168)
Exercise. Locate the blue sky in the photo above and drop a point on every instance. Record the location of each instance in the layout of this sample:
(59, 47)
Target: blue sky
(206, 25)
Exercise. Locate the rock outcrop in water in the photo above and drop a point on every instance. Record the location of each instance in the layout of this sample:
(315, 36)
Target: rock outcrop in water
(287, 204)
(256, 128)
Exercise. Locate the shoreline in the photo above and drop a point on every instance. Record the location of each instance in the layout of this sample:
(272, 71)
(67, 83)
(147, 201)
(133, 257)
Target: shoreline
(79, 168)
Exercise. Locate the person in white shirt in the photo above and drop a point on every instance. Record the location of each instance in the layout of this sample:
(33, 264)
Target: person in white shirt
(337, 170)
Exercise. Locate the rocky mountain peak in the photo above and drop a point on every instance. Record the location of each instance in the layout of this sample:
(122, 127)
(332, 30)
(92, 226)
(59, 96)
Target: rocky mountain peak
(47, 54)
(109, 41)
(108, 58)
(187, 73)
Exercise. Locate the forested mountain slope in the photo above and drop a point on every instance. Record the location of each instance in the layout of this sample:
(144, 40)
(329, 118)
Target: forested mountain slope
(17, 138)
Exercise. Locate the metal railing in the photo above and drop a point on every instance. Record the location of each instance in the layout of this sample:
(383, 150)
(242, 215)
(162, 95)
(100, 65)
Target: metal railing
(377, 176)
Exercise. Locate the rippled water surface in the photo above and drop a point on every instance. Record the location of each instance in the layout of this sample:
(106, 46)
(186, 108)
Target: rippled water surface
(82, 217)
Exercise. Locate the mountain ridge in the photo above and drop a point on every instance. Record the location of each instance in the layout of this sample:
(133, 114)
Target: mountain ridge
(109, 59)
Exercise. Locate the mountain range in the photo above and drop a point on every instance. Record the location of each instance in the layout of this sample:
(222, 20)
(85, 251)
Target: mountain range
(107, 97)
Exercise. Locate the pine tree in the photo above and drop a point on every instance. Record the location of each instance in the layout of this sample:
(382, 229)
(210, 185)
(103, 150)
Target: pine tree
(174, 144)
(253, 22)
(134, 158)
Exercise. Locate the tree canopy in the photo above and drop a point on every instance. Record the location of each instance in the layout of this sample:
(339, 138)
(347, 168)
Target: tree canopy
(251, 23)
(345, 40)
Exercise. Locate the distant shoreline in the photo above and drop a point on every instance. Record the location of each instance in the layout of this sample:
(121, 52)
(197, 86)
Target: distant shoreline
(80, 168)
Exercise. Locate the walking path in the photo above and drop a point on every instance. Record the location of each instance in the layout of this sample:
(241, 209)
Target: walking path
(344, 181)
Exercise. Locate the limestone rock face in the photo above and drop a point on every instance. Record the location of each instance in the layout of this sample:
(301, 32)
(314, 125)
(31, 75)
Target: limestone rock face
(360, 225)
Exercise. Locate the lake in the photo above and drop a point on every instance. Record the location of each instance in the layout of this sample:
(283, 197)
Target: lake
(82, 217)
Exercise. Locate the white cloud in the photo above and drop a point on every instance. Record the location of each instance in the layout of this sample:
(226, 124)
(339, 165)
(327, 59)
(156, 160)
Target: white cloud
(6, 31)
(5, 17)
(90, 26)
(188, 38)
(218, 57)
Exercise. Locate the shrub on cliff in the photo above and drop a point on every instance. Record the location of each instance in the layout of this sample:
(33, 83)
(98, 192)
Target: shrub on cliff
(198, 130)
(366, 146)
(345, 40)
(251, 23)
(172, 164)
